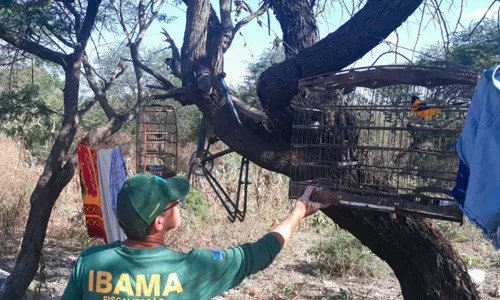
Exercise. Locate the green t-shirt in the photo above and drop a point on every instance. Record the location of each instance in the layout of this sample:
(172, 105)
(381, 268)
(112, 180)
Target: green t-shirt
(117, 272)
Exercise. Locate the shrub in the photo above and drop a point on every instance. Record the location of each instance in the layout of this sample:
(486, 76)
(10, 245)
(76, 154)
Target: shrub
(344, 255)
(195, 205)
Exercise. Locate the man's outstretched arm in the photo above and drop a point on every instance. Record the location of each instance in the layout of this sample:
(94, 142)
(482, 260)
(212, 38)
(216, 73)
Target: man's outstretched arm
(228, 268)
(303, 208)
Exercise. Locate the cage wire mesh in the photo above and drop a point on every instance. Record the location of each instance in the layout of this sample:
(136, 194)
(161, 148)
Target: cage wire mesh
(156, 140)
(362, 145)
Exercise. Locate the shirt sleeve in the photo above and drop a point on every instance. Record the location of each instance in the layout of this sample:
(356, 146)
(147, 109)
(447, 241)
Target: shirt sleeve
(74, 288)
(222, 270)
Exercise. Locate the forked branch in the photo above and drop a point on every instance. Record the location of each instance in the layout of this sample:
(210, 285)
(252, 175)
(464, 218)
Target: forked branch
(174, 62)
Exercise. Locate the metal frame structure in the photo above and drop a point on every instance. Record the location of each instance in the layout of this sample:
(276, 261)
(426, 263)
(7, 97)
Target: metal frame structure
(202, 162)
(358, 141)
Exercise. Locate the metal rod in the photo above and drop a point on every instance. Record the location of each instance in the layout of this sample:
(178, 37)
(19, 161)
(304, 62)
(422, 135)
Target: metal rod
(379, 148)
(216, 155)
(424, 129)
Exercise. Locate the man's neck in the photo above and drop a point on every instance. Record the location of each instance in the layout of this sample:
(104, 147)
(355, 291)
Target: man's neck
(146, 244)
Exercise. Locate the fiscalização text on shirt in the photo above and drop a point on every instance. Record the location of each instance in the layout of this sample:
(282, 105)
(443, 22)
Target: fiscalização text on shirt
(124, 288)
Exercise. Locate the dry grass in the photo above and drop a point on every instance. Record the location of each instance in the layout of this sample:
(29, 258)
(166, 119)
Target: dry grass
(205, 223)
(19, 178)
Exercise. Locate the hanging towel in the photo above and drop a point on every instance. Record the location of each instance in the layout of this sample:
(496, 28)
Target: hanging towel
(118, 175)
(479, 147)
(113, 230)
(89, 182)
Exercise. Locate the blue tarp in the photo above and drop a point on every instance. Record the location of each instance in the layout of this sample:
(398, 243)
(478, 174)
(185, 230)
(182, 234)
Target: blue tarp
(479, 149)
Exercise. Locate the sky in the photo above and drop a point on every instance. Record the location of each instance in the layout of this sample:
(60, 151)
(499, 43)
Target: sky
(255, 39)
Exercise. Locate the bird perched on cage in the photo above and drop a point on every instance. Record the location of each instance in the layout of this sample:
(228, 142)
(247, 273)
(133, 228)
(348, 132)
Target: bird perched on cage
(423, 109)
(426, 110)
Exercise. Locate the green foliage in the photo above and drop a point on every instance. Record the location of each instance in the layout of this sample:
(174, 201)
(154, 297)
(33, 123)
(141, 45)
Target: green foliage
(247, 91)
(288, 289)
(188, 120)
(344, 255)
(29, 110)
(320, 220)
(480, 50)
(343, 295)
(195, 205)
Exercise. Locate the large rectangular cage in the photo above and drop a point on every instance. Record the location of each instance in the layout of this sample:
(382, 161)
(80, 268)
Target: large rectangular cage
(156, 140)
(364, 144)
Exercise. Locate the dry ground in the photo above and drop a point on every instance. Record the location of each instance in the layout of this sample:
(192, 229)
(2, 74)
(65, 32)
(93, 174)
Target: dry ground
(299, 272)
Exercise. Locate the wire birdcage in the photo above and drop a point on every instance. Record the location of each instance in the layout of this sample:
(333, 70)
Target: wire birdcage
(359, 139)
(156, 140)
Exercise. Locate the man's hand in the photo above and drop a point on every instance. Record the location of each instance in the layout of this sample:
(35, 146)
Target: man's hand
(303, 208)
(308, 207)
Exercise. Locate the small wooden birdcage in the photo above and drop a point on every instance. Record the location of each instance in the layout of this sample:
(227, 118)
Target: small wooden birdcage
(156, 140)
(364, 140)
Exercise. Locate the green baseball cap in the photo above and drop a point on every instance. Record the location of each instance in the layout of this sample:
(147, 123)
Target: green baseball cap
(144, 196)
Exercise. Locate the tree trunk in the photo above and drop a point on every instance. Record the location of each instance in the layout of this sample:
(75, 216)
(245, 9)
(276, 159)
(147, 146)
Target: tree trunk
(47, 191)
(293, 15)
(423, 261)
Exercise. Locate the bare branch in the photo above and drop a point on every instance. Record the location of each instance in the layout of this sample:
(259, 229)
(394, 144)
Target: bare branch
(119, 15)
(418, 32)
(484, 16)
(100, 94)
(459, 16)
(78, 18)
(120, 70)
(156, 87)
(154, 13)
(165, 82)
(86, 107)
(175, 62)
(32, 47)
(59, 37)
(53, 41)
(442, 24)
(244, 22)
(172, 94)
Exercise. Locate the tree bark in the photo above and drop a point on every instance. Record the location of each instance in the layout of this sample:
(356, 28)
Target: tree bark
(298, 24)
(423, 261)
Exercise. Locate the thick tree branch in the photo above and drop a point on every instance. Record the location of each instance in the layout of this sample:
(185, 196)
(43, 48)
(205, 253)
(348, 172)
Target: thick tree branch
(88, 23)
(365, 30)
(32, 47)
(225, 16)
(194, 47)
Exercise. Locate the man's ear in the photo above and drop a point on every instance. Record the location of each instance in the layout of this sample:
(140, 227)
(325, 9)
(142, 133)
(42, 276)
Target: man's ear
(158, 223)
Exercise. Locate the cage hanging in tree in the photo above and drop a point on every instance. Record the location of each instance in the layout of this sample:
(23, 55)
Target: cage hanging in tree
(156, 140)
(361, 138)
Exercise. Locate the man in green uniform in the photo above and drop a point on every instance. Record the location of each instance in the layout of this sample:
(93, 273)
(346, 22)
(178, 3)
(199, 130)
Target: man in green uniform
(143, 268)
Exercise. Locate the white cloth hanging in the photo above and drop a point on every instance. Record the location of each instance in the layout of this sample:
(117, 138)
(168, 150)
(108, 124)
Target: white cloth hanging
(113, 230)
